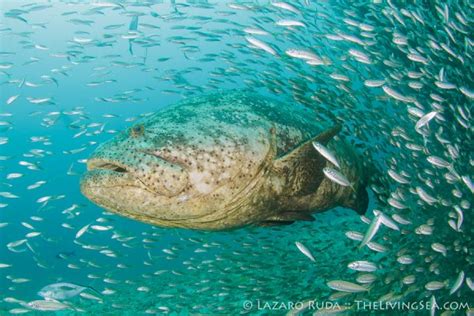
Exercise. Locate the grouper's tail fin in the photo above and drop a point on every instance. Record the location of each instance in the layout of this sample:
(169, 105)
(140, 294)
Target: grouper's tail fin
(364, 171)
(359, 201)
(359, 170)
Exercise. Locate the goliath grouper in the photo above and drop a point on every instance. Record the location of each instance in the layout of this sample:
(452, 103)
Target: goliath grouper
(224, 161)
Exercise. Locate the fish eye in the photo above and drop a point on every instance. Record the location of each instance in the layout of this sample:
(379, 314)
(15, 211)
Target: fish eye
(137, 131)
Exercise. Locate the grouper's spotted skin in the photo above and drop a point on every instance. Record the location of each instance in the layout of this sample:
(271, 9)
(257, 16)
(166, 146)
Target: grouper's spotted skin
(219, 162)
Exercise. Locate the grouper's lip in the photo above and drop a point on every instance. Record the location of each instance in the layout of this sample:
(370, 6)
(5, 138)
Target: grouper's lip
(102, 173)
(110, 169)
(104, 164)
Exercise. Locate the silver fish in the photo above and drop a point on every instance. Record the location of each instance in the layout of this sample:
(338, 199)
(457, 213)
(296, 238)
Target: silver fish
(260, 45)
(363, 266)
(344, 286)
(434, 285)
(61, 291)
(425, 119)
(457, 284)
(326, 153)
(371, 231)
(305, 251)
(47, 305)
(336, 176)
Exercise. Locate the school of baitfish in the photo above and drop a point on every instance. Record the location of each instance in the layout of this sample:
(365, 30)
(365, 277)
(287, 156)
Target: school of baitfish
(397, 77)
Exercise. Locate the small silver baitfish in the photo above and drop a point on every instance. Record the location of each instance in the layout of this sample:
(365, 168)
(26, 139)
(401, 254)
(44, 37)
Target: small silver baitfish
(62, 290)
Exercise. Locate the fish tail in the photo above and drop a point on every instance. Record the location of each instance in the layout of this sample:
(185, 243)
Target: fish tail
(359, 201)
(93, 289)
(370, 288)
(90, 288)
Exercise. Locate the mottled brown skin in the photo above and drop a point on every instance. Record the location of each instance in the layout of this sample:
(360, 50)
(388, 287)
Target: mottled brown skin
(220, 162)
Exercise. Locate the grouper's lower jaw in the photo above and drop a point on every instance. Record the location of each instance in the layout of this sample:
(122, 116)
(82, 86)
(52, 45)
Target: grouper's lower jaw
(105, 184)
(96, 194)
(92, 182)
(103, 189)
(118, 192)
(114, 199)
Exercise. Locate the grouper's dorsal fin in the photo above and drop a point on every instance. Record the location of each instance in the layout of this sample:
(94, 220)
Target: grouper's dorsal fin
(302, 168)
(327, 135)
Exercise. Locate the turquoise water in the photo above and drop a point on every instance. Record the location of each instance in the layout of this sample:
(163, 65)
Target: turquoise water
(74, 73)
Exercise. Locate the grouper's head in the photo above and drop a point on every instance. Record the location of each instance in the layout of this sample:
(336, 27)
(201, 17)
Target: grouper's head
(171, 171)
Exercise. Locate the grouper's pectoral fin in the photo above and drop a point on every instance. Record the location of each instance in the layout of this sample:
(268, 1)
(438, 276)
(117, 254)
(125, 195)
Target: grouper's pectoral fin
(303, 166)
(286, 218)
(274, 223)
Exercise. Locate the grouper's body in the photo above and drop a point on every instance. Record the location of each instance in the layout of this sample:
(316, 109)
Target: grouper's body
(223, 161)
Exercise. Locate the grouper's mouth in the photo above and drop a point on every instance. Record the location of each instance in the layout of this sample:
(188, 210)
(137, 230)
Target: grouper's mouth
(102, 164)
(123, 189)
(105, 173)
(148, 171)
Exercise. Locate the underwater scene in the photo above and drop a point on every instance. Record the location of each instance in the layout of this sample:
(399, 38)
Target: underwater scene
(236, 157)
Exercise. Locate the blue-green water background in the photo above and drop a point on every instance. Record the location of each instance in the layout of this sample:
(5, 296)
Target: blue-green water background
(194, 49)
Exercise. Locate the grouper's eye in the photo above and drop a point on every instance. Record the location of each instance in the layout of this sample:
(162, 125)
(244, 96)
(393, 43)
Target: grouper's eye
(137, 131)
